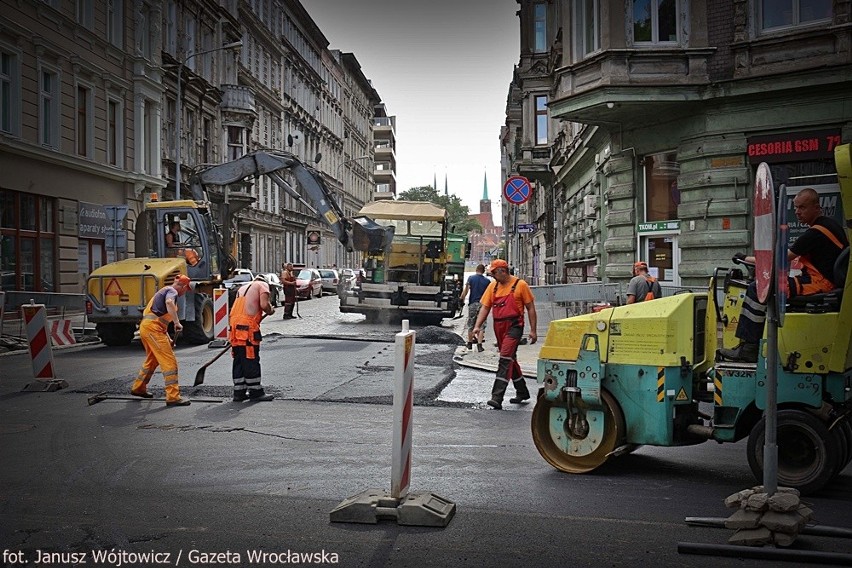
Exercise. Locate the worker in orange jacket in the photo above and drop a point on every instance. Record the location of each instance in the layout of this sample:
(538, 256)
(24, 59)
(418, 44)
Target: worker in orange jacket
(250, 307)
(153, 331)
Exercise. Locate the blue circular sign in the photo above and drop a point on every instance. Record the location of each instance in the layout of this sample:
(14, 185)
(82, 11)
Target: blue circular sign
(517, 190)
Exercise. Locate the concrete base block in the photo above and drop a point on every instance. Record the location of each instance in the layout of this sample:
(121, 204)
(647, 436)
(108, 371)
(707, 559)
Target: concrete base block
(415, 509)
(48, 385)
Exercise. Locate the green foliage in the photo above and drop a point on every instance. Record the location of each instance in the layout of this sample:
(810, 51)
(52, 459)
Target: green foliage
(459, 217)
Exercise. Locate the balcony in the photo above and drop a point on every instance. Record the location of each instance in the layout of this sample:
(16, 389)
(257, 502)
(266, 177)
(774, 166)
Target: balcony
(237, 98)
(629, 85)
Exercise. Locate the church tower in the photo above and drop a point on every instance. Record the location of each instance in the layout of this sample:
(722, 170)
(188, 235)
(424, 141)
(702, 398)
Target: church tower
(485, 203)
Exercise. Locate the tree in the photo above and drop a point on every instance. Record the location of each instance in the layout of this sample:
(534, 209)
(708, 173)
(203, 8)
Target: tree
(458, 215)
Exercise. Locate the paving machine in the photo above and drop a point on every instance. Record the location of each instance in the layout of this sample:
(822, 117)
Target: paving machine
(406, 276)
(649, 373)
(117, 293)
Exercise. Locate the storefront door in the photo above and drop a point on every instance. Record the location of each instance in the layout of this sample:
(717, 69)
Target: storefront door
(663, 257)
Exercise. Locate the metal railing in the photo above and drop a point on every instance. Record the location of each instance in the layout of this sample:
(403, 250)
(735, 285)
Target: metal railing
(57, 305)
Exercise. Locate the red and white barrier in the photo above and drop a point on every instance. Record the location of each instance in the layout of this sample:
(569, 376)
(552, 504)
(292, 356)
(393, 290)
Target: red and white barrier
(403, 407)
(61, 332)
(220, 313)
(41, 353)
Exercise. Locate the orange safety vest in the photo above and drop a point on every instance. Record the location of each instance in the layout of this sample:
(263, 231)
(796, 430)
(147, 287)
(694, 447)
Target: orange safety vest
(245, 329)
(148, 314)
(814, 281)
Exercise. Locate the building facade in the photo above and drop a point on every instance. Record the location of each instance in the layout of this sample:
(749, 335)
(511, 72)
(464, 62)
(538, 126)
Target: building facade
(641, 124)
(100, 102)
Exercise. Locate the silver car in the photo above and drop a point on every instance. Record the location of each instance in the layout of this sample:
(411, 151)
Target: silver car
(330, 280)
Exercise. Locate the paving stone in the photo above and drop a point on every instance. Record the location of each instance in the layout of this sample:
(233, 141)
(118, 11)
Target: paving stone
(784, 539)
(743, 519)
(781, 522)
(737, 499)
(757, 502)
(784, 502)
(751, 537)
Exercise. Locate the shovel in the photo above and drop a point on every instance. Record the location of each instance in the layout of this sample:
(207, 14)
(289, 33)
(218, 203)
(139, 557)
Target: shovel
(199, 376)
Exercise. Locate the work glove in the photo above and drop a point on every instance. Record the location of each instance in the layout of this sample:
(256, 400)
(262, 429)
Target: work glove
(738, 257)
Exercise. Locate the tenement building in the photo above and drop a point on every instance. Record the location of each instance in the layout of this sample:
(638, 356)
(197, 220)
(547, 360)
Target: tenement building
(106, 104)
(641, 123)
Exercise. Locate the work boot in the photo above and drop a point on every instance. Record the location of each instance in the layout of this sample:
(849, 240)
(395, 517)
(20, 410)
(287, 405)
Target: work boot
(522, 393)
(141, 393)
(497, 392)
(240, 395)
(744, 353)
(179, 402)
(469, 346)
(258, 395)
(479, 347)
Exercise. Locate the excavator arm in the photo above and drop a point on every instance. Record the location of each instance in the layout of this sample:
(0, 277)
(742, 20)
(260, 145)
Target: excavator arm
(272, 163)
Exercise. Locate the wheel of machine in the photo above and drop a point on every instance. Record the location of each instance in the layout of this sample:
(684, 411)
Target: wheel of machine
(553, 444)
(116, 334)
(842, 442)
(200, 331)
(807, 452)
(846, 424)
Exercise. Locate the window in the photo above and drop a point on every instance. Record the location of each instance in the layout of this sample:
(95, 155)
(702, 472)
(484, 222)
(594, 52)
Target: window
(115, 22)
(170, 37)
(27, 242)
(10, 92)
(84, 13)
(49, 108)
(84, 125)
(661, 193)
(788, 13)
(541, 121)
(207, 132)
(540, 27)
(115, 133)
(588, 27)
(655, 21)
(235, 142)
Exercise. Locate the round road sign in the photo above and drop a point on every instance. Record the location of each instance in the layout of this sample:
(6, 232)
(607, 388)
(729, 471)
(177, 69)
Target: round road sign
(764, 231)
(517, 190)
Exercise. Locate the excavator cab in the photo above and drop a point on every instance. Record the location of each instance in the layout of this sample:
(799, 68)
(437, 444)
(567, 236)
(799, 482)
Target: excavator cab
(194, 239)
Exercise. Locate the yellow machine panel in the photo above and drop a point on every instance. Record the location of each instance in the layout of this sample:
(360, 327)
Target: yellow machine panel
(134, 280)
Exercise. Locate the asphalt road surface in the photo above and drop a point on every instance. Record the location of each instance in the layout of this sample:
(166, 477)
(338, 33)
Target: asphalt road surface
(217, 483)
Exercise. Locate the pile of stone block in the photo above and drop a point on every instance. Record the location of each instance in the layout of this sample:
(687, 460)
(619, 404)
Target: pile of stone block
(761, 519)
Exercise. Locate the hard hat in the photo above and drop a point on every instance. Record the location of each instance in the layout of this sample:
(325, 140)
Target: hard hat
(498, 263)
(182, 279)
(640, 264)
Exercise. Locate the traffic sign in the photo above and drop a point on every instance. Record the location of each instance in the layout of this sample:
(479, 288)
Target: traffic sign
(517, 190)
(764, 231)
(526, 228)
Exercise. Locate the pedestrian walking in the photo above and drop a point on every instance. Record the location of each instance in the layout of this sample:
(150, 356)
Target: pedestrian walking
(642, 286)
(250, 307)
(154, 333)
(288, 281)
(476, 284)
(508, 296)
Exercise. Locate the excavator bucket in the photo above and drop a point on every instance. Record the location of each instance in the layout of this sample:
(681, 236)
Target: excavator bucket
(369, 236)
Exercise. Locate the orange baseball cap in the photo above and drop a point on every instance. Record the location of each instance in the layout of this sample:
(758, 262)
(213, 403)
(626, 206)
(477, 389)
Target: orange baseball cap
(640, 264)
(183, 279)
(498, 263)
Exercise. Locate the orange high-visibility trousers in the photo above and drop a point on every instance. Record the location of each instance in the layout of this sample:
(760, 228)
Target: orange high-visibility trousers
(158, 352)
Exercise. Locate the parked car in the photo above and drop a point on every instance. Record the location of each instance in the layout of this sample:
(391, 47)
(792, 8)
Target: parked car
(349, 276)
(308, 284)
(276, 289)
(330, 279)
(238, 280)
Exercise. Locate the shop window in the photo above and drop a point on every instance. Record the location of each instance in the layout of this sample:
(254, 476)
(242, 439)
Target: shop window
(661, 193)
(27, 242)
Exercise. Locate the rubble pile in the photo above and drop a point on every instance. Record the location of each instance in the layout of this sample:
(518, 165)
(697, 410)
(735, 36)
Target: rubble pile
(761, 519)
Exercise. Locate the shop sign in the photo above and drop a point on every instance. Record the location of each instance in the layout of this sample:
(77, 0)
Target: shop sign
(793, 146)
(654, 226)
(94, 222)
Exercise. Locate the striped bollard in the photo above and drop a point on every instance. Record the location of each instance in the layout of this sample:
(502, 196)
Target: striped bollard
(414, 509)
(220, 318)
(41, 352)
(403, 406)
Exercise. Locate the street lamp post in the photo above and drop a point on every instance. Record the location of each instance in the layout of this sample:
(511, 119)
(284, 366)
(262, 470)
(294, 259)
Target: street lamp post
(343, 203)
(179, 106)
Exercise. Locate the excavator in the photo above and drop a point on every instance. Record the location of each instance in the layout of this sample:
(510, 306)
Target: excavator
(117, 293)
(650, 373)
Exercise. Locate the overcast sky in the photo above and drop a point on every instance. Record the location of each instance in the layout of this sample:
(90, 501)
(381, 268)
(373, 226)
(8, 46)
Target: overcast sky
(443, 69)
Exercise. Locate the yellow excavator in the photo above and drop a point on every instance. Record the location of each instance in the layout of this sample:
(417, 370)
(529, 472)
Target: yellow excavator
(117, 293)
(649, 374)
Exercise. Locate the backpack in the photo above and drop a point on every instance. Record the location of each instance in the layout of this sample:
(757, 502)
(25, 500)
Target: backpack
(650, 280)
